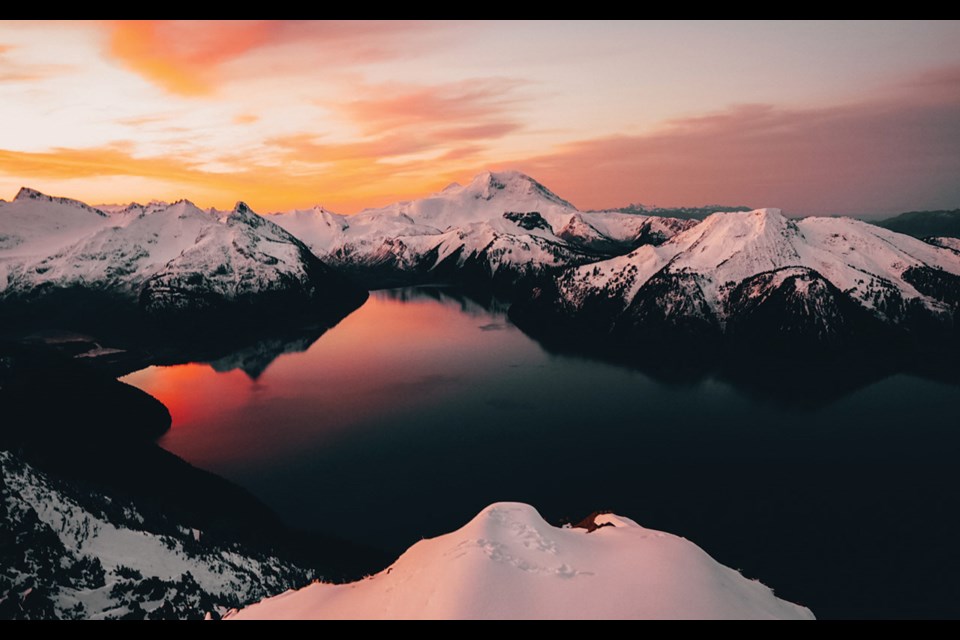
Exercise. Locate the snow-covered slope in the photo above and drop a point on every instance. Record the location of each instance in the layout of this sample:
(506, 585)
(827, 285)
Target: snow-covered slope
(509, 563)
(65, 554)
(35, 224)
(502, 227)
(165, 257)
(758, 271)
(946, 243)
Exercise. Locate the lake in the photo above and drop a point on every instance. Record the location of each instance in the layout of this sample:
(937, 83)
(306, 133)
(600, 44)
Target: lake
(423, 406)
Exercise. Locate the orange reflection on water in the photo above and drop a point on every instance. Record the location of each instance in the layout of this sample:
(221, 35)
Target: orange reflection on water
(184, 389)
(389, 357)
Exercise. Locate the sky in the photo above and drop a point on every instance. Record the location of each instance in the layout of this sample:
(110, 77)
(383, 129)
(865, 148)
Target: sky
(854, 118)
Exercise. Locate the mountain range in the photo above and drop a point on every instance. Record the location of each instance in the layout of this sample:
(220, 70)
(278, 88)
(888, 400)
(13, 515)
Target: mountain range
(635, 277)
(758, 276)
(504, 229)
(163, 260)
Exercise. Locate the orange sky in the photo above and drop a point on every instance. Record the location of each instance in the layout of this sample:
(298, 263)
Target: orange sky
(836, 117)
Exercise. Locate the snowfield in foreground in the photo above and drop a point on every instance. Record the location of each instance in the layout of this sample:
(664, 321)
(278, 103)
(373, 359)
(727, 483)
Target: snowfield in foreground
(509, 563)
(69, 554)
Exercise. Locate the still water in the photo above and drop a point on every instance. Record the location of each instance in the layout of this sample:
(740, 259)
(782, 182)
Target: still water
(422, 407)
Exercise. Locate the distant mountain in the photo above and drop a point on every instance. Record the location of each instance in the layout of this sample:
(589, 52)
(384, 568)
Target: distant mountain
(70, 554)
(164, 259)
(502, 229)
(924, 224)
(683, 213)
(755, 278)
(508, 563)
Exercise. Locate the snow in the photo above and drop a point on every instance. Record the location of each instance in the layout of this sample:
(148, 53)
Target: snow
(470, 220)
(48, 243)
(947, 243)
(35, 224)
(866, 261)
(59, 243)
(121, 547)
(508, 563)
(483, 202)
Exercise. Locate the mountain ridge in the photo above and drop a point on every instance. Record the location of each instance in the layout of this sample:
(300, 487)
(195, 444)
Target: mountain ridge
(481, 233)
(508, 563)
(169, 259)
(711, 279)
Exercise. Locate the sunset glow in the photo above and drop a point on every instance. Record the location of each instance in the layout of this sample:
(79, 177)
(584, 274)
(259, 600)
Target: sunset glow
(821, 117)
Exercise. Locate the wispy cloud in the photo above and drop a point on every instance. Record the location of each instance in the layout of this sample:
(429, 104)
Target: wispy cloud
(343, 179)
(879, 155)
(193, 57)
(387, 107)
(183, 57)
(114, 159)
(12, 70)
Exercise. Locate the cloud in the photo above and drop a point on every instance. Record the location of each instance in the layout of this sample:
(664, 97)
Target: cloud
(183, 57)
(411, 128)
(139, 121)
(387, 107)
(299, 174)
(12, 70)
(194, 57)
(113, 159)
(894, 152)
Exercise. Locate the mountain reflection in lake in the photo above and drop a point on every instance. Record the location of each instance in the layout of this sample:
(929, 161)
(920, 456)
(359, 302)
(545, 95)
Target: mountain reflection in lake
(424, 406)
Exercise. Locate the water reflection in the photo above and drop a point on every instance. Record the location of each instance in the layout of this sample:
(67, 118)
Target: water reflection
(254, 359)
(796, 381)
(402, 351)
(474, 303)
(414, 413)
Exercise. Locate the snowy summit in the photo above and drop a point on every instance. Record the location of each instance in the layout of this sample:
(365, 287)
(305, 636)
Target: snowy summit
(508, 563)
(501, 228)
(830, 280)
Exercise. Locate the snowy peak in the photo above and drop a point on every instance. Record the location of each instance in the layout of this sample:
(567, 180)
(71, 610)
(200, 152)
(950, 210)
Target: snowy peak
(163, 259)
(509, 563)
(26, 193)
(764, 215)
(830, 280)
(501, 229)
(489, 185)
(756, 239)
(742, 223)
(487, 197)
(243, 214)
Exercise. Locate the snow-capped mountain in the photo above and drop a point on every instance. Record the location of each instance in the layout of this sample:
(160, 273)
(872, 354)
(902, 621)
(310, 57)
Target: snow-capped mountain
(758, 274)
(34, 224)
(501, 227)
(69, 554)
(508, 563)
(167, 258)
